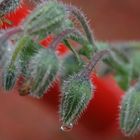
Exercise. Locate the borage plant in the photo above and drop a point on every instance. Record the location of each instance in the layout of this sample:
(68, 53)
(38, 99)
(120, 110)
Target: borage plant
(70, 55)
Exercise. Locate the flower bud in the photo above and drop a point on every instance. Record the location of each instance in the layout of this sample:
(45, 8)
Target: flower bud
(48, 16)
(130, 112)
(76, 94)
(10, 74)
(43, 67)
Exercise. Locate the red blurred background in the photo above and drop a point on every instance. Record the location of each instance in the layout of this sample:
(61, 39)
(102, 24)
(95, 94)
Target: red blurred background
(26, 118)
(112, 19)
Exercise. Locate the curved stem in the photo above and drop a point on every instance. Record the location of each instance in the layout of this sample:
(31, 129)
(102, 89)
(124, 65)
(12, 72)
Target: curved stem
(73, 50)
(5, 36)
(89, 67)
(64, 34)
(81, 17)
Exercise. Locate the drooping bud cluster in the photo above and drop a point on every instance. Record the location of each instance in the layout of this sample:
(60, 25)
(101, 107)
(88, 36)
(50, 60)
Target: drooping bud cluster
(37, 68)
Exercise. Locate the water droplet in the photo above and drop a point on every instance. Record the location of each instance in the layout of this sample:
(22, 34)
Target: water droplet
(66, 127)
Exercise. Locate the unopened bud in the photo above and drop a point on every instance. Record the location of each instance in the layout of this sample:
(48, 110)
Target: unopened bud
(130, 112)
(10, 74)
(44, 67)
(76, 94)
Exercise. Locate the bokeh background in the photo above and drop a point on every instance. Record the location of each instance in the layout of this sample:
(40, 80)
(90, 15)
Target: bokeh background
(24, 118)
(112, 19)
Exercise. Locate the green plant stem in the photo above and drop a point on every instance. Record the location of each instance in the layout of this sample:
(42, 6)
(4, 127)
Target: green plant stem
(62, 36)
(9, 33)
(91, 65)
(81, 17)
(73, 50)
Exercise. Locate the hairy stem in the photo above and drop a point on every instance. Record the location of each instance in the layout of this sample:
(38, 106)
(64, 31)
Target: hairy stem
(5, 36)
(81, 17)
(64, 34)
(73, 50)
(89, 67)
